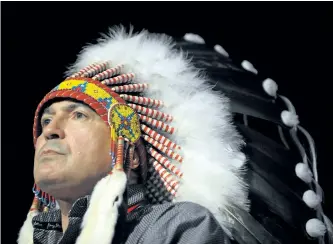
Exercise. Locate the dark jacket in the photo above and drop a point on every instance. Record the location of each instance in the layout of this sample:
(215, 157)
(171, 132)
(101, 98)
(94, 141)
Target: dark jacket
(156, 224)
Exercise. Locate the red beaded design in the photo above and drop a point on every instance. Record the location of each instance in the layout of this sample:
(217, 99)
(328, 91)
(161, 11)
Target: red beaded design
(113, 81)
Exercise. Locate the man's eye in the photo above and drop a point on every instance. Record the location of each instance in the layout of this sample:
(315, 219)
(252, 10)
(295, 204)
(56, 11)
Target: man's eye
(45, 122)
(79, 115)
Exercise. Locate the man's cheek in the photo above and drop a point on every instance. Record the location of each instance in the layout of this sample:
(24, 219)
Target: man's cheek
(39, 144)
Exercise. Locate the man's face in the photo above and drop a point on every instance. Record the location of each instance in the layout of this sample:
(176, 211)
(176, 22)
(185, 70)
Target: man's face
(72, 152)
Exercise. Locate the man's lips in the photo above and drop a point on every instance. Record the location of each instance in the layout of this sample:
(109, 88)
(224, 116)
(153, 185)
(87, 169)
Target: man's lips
(50, 152)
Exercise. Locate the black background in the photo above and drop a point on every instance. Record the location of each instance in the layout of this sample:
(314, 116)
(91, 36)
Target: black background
(290, 42)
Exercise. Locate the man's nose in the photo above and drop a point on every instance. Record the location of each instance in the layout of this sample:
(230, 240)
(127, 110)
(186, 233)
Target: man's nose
(54, 130)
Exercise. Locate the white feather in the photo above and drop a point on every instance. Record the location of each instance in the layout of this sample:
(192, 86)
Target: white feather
(100, 220)
(26, 232)
(213, 164)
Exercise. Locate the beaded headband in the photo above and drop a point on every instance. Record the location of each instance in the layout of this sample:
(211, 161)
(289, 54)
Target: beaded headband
(108, 92)
(207, 169)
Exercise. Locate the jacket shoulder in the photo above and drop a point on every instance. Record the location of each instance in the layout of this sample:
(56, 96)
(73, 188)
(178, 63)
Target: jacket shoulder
(182, 222)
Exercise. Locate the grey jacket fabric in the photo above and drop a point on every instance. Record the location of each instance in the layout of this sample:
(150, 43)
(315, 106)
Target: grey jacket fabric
(167, 223)
(179, 223)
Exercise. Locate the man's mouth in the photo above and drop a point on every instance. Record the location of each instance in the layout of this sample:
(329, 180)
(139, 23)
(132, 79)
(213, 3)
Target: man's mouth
(50, 152)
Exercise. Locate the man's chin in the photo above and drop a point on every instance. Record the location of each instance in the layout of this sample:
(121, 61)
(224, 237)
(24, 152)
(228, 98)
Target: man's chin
(50, 169)
(49, 181)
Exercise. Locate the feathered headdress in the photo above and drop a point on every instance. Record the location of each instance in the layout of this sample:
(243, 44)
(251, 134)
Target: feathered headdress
(145, 90)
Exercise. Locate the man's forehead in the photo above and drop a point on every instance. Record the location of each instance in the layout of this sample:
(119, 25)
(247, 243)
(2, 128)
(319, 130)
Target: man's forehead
(65, 105)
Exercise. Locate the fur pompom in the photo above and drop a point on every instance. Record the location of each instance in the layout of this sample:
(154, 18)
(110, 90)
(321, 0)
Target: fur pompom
(221, 50)
(311, 199)
(100, 220)
(290, 119)
(190, 37)
(249, 67)
(315, 228)
(270, 87)
(26, 232)
(303, 172)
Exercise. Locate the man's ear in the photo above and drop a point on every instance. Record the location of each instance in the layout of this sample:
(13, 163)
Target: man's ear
(140, 157)
(136, 160)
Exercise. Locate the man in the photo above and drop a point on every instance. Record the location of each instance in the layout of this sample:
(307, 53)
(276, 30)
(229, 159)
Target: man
(135, 147)
(72, 155)
(121, 154)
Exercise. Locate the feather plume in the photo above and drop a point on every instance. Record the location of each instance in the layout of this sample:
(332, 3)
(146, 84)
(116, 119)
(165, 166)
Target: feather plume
(248, 230)
(213, 163)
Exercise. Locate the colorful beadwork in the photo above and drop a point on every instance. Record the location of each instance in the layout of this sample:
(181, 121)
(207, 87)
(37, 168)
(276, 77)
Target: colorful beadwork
(120, 154)
(104, 89)
(108, 73)
(143, 100)
(89, 89)
(125, 122)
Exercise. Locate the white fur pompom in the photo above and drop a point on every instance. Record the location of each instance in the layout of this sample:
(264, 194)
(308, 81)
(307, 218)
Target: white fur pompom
(99, 222)
(238, 160)
(194, 38)
(221, 50)
(311, 199)
(249, 67)
(270, 87)
(27, 230)
(303, 172)
(290, 119)
(315, 228)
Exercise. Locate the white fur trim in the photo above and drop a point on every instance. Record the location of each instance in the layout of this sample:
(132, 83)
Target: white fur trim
(213, 176)
(100, 220)
(311, 199)
(26, 232)
(221, 50)
(57, 205)
(270, 87)
(190, 37)
(315, 228)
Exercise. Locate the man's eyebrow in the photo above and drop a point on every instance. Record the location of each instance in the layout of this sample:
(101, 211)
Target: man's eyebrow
(68, 108)
(73, 106)
(49, 111)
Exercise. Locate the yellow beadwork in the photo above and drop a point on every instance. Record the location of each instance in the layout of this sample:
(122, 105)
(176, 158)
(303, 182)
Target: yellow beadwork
(68, 84)
(97, 92)
(90, 89)
(125, 122)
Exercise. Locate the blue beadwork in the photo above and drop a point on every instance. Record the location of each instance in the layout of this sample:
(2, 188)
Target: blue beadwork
(113, 162)
(106, 102)
(128, 119)
(80, 88)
